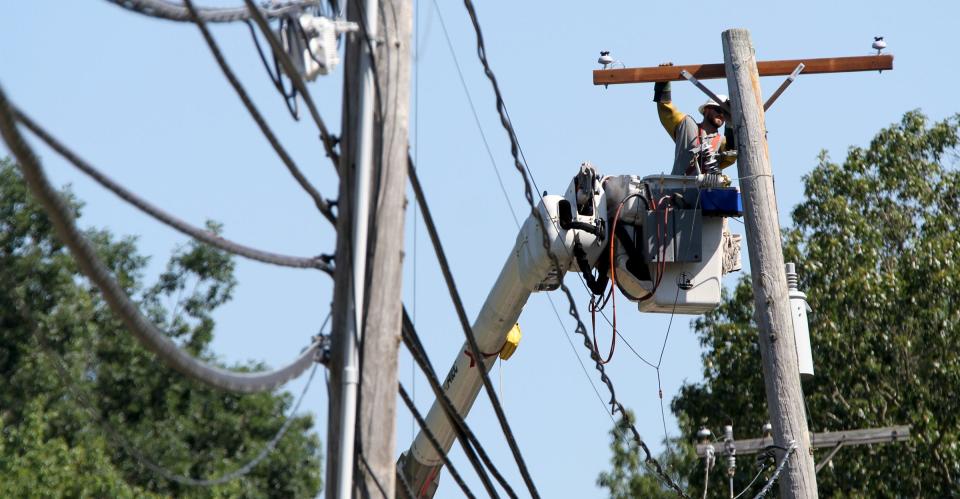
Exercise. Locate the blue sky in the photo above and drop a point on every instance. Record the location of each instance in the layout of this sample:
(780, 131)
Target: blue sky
(144, 100)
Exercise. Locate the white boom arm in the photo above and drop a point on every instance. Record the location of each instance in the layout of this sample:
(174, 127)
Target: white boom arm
(528, 269)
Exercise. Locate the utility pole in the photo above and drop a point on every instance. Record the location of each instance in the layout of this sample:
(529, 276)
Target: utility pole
(376, 425)
(771, 300)
(772, 306)
(370, 216)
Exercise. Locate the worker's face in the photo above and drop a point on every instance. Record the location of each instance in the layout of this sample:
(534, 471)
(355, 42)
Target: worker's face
(714, 115)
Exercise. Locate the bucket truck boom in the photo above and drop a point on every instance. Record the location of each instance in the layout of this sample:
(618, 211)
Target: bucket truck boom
(665, 231)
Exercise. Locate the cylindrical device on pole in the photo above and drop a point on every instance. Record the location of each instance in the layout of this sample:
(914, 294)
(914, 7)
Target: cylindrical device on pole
(801, 330)
(778, 348)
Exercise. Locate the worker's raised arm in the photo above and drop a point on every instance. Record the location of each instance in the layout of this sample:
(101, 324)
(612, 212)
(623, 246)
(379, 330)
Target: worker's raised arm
(670, 117)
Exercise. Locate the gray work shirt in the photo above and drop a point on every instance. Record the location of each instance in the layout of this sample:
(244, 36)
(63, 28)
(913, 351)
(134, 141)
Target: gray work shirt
(691, 152)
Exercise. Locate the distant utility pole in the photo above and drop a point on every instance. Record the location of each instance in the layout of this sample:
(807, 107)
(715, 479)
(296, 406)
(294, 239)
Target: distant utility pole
(778, 348)
(367, 284)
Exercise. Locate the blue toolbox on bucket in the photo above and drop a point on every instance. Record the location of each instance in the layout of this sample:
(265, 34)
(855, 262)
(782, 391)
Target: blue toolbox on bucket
(724, 202)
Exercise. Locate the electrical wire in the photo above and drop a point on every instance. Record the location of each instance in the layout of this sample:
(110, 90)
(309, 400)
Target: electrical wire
(418, 418)
(706, 477)
(322, 204)
(116, 437)
(90, 264)
(407, 488)
(776, 473)
(476, 115)
(468, 330)
(749, 485)
(289, 97)
(471, 446)
(516, 151)
(164, 217)
(373, 476)
(579, 360)
(162, 9)
(329, 142)
(503, 189)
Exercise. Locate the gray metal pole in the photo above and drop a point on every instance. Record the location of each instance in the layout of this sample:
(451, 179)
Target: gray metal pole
(356, 170)
(771, 302)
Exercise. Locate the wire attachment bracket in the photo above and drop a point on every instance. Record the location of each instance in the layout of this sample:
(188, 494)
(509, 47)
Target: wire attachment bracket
(689, 77)
(783, 86)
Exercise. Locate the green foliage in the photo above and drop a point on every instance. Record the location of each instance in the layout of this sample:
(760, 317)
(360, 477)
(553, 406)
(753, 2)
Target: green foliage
(876, 240)
(75, 379)
(631, 476)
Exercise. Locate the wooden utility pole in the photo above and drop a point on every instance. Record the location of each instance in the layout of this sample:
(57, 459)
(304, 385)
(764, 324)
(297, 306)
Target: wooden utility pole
(778, 348)
(368, 276)
(376, 424)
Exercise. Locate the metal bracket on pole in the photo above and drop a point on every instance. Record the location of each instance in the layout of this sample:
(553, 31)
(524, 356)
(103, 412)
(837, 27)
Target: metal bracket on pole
(783, 86)
(723, 105)
(827, 459)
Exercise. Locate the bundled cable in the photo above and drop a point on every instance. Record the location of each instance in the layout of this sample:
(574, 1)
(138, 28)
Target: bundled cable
(90, 264)
(433, 442)
(329, 142)
(163, 9)
(162, 216)
(471, 446)
(321, 203)
(467, 329)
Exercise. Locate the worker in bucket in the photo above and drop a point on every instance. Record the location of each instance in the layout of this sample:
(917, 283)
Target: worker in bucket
(700, 148)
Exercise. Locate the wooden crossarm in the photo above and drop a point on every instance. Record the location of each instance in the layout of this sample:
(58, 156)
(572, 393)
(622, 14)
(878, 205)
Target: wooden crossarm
(765, 68)
(818, 440)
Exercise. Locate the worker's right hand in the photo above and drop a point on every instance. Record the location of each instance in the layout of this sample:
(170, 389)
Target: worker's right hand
(661, 91)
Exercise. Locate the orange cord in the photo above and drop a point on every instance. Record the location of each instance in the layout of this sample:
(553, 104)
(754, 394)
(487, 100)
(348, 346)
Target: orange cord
(661, 268)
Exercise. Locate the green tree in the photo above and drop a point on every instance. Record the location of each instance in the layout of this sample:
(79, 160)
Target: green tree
(77, 384)
(876, 240)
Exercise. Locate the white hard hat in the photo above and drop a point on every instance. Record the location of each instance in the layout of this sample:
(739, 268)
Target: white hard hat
(711, 102)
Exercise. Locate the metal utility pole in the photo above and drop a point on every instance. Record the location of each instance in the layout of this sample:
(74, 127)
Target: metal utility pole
(771, 301)
(373, 148)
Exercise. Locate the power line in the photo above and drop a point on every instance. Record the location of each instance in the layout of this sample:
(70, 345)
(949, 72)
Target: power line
(325, 137)
(503, 189)
(566, 334)
(468, 330)
(476, 116)
(433, 442)
(521, 167)
(90, 264)
(776, 473)
(322, 204)
(276, 76)
(162, 9)
(164, 217)
(471, 446)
